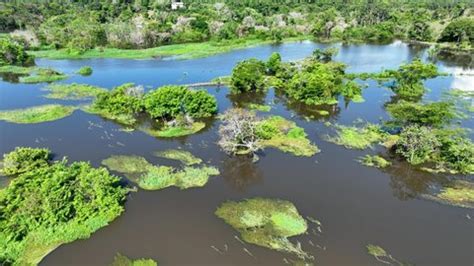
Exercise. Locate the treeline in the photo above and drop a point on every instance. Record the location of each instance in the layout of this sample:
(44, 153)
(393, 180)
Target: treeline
(126, 24)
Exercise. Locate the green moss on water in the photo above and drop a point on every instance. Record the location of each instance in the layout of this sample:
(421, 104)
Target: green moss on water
(37, 114)
(266, 222)
(358, 137)
(260, 107)
(185, 157)
(374, 161)
(121, 260)
(151, 177)
(285, 135)
(175, 131)
(72, 91)
(85, 71)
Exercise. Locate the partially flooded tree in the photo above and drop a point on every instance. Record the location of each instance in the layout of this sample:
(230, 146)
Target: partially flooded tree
(238, 133)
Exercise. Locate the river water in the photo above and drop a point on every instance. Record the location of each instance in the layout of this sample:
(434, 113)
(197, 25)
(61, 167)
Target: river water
(357, 205)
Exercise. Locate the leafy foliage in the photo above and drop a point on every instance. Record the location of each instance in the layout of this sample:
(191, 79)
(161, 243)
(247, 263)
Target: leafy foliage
(248, 75)
(12, 53)
(121, 260)
(434, 114)
(24, 159)
(459, 30)
(85, 71)
(416, 144)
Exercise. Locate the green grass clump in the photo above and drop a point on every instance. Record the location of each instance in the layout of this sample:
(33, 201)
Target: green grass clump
(72, 91)
(121, 260)
(460, 193)
(37, 114)
(266, 222)
(49, 206)
(286, 136)
(43, 75)
(260, 107)
(85, 71)
(19, 70)
(185, 157)
(24, 159)
(374, 161)
(357, 138)
(382, 256)
(151, 177)
(176, 131)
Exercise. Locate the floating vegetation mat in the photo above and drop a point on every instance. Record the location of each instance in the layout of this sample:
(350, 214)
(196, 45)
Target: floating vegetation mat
(185, 157)
(266, 222)
(19, 70)
(124, 119)
(285, 135)
(151, 177)
(260, 107)
(37, 114)
(121, 260)
(358, 138)
(85, 71)
(382, 256)
(460, 193)
(72, 91)
(178, 131)
(39, 75)
(374, 161)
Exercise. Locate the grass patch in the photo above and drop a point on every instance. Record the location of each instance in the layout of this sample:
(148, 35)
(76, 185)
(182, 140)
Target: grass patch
(460, 193)
(124, 118)
(266, 222)
(37, 114)
(185, 51)
(121, 260)
(72, 91)
(357, 138)
(260, 107)
(41, 75)
(286, 136)
(85, 71)
(185, 157)
(177, 131)
(382, 256)
(374, 161)
(151, 177)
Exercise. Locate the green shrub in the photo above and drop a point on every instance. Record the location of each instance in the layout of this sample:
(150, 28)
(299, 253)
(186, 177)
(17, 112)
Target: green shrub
(417, 144)
(25, 159)
(85, 71)
(248, 75)
(273, 64)
(170, 101)
(459, 30)
(12, 53)
(430, 114)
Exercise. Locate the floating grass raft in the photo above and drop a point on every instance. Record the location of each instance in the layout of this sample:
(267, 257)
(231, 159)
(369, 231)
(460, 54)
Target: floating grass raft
(40, 75)
(459, 193)
(374, 161)
(266, 222)
(37, 114)
(358, 138)
(152, 177)
(285, 135)
(121, 260)
(382, 256)
(175, 131)
(185, 157)
(72, 91)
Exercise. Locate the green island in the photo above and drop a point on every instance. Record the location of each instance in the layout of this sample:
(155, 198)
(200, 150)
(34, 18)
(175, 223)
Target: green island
(37, 114)
(121, 260)
(72, 91)
(374, 161)
(85, 71)
(152, 177)
(266, 222)
(35, 217)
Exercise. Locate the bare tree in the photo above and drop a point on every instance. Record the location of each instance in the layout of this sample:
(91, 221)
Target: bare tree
(238, 133)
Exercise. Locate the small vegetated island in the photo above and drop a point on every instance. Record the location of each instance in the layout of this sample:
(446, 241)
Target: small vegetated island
(50, 203)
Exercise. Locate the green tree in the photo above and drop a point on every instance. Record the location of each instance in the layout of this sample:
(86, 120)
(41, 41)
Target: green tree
(409, 79)
(417, 144)
(435, 114)
(12, 53)
(248, 75)
(24, 159)
(273, 63)
(459, 30)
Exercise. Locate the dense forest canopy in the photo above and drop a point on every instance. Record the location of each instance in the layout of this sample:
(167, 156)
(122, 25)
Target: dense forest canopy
(83, 25)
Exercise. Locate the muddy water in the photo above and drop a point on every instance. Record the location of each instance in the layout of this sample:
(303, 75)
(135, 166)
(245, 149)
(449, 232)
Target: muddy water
(357, 205)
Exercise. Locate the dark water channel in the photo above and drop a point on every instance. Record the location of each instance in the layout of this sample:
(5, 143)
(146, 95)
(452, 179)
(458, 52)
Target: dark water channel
(357, 205)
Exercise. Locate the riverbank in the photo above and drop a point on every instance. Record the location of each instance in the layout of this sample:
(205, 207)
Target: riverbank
(183, 51)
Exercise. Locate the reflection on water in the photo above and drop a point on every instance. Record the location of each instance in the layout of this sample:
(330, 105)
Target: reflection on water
(241, 172)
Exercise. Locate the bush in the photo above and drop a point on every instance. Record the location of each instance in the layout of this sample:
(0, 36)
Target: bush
(24, 159)
(12, 53)
(459, 30)
(247, 76)
(431, 114)
(417, 144)
(273, 63)
(120, 100)
(85, 71)
(170, 101)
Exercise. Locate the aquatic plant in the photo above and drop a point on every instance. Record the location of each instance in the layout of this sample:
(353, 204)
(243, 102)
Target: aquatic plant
(285, 135)
(20, 70)
(121, 260)
(458, 193)
(85, 71)
(24, 159)
(72, 91)
(151, 177)
(175, 131)
(374, 161)
(260, 107)
(43, 75)
(381, 255)
(357, 137)
(266, 222)
(434, 114)
(37, 114)
(14, 53)
(49, 206)
(184, 157)
(417, 144)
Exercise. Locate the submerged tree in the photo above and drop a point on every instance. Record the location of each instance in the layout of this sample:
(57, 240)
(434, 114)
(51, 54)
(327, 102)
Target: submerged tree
(248, 76)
